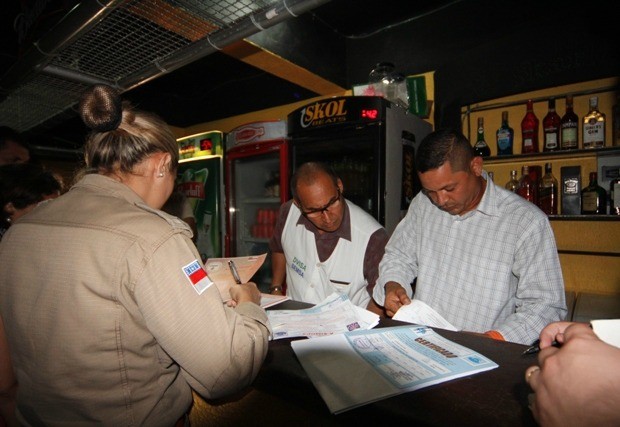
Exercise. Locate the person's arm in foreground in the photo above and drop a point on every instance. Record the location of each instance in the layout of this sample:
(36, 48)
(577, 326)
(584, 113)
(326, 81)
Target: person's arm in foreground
(220, 349)
(577, 384)
(8, 382)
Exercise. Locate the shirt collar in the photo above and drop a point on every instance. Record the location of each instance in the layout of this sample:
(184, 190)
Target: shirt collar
(488, 205)
(343, 232)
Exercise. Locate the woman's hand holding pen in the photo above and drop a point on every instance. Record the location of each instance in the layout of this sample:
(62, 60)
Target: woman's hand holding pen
(246, 292)
(577, 383)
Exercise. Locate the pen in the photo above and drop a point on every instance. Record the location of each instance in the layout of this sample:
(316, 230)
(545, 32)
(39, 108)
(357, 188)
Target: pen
(233, 270)
(535, 348)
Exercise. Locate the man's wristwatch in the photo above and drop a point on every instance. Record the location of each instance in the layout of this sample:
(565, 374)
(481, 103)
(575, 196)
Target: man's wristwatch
(273, 289)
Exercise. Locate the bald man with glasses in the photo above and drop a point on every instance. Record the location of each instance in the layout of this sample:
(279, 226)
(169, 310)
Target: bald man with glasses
(323, 243)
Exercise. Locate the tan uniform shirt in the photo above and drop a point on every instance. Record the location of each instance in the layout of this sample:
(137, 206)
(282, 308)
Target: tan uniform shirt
(104, 327)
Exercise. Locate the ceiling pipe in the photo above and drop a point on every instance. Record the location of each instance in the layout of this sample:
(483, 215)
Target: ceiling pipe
(78, 21)
(246, 27)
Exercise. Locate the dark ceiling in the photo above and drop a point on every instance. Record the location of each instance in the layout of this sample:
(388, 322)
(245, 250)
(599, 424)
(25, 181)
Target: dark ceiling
(479, 49)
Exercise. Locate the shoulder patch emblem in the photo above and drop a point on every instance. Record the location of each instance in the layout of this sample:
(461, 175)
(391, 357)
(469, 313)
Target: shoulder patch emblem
(197, 276)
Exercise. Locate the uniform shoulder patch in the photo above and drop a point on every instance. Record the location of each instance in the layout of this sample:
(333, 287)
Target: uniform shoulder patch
(197, 276)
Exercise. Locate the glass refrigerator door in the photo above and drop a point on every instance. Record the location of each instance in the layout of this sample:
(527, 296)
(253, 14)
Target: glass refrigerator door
(356, 156)
(254, 207)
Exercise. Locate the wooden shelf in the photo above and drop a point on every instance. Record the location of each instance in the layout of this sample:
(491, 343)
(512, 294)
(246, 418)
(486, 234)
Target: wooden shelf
(553, 155)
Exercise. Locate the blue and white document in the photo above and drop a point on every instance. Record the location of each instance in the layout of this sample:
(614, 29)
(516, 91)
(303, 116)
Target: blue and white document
(335, 314)
(360, 367)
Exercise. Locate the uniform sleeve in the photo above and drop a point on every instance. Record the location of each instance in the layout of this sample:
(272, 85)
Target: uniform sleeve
(540, 297)
(219, 349)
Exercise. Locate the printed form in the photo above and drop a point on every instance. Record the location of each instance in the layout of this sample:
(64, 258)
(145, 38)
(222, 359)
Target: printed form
(394, 360)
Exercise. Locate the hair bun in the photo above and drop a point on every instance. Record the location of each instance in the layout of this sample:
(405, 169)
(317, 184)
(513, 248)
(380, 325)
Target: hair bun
(101, 108)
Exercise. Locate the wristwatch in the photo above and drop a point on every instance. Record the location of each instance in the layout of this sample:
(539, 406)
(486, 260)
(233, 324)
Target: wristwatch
(276, 288)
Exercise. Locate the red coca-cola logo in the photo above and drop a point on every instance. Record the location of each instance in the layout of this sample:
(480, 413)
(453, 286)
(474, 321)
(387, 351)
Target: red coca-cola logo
(248, 134)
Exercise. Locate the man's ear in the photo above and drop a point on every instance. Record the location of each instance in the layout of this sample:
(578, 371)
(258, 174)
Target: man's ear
(476, 166)
(340, 185)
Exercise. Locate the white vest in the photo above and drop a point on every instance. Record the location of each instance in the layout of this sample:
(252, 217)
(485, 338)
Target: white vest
(310, 280)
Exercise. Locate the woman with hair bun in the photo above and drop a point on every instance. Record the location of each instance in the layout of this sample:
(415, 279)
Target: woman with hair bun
(110, 318)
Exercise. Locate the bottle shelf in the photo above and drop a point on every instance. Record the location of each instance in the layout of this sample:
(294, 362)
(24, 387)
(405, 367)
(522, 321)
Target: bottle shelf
(553, 155)
(259, 200)
(498, 105)
(255, 239)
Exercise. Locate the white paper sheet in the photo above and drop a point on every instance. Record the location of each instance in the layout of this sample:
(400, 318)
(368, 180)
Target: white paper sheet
(607, 330)
(420, 313)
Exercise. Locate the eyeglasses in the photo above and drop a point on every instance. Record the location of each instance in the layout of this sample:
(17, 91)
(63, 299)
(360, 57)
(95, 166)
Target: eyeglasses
(315, 213)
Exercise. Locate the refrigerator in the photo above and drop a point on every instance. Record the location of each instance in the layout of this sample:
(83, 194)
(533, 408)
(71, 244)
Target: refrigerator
(256, 174)
(200, 178)
(370, 143)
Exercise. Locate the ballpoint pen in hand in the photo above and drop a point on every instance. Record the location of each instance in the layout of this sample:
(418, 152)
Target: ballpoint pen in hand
(535, 348)
(233, 270)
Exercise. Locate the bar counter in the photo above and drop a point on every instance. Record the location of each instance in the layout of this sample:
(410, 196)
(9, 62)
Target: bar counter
(282, 393)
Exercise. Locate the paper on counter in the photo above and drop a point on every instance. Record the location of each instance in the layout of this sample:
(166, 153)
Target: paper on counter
(392, 361)
(335, 314)
(420, 313)
(607, 330)
(268, 300)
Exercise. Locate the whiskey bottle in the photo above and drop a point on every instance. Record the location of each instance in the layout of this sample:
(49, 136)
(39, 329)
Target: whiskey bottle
(551, 128)
(513, 183)
(593, 198)
(480, 147)
(548, 192)
(594, 126)
(526, 185)
(614, 196)
(505, 137)
(529, 130)
(569, 127)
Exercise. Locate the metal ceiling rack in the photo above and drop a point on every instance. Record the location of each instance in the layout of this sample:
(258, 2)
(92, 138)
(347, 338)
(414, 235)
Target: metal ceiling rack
(125, 43)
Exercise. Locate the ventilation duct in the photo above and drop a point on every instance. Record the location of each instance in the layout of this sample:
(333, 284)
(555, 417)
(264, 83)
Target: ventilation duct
(125, 43)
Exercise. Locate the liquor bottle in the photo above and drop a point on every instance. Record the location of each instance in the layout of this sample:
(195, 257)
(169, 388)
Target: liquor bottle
(614, 196)
(548, 192)
(480, 147)
(526, 185)
(594, 126)
(593, 198)
(551, 128)
(505, 137)
(513, 182)
(529, 130)
(569, 127)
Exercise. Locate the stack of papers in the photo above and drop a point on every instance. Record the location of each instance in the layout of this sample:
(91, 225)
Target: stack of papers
(336, 314)
(360, 367)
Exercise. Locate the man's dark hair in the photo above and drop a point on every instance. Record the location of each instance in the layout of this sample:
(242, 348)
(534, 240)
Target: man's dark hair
(308, 172)
(9, 134)
(441, 146)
